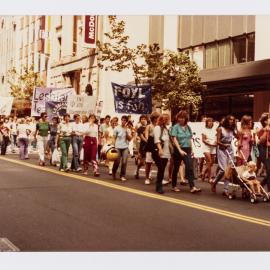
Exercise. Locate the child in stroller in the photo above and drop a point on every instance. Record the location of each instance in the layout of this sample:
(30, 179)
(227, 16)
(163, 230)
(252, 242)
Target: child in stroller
(249, 177)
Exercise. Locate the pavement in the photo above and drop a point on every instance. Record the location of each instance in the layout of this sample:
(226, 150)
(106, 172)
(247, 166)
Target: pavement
(43, 209)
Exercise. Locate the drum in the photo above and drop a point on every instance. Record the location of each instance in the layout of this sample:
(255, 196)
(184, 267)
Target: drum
(109, 152)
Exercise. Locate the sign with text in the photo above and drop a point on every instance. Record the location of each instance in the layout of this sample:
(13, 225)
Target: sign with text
(90, 31)
(55, 109)
(81, 105)
(41, 95)
(132, 99)
(6, 105)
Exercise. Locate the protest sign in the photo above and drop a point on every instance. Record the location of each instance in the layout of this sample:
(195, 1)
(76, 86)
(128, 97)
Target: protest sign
(42, 95)
(55, 109)
(78, 104)
(132, 99)
(6, 105)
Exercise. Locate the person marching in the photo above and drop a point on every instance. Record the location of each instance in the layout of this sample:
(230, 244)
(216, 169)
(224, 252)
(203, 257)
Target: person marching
(225, 135)
(181, 134)
(23, 133)
(64, 136)
(90, 145)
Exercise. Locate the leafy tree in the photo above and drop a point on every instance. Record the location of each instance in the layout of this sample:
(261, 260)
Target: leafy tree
(173, 76)
(22, 86)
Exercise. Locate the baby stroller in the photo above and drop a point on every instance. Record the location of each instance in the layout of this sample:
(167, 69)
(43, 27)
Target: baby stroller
(238, 183)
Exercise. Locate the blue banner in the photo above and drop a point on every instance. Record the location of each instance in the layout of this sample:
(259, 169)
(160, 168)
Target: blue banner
(55, 109)
(132, 99)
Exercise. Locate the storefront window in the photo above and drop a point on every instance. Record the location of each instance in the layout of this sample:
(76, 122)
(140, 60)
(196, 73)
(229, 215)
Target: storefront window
(211, 56)
(239, 50)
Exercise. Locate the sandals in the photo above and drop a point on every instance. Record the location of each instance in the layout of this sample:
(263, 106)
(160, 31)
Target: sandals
(195, 189)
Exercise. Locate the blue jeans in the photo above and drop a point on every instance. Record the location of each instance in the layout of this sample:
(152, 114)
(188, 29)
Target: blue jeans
(23, 143)
(77, 143)
(123, 157)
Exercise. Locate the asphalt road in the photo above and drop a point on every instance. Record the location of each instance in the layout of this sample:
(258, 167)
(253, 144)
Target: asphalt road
(52, 211)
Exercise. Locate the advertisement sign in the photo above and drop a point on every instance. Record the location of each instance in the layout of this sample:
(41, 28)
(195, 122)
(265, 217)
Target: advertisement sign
(42, 94)
(90, 31)
(6, 105)
(81, 104)
(132, 99)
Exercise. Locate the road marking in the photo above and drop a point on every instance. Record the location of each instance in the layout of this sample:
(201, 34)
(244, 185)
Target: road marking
(197, 206)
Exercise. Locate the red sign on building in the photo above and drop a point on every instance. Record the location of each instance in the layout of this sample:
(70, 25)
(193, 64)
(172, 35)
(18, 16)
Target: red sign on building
(90, 30)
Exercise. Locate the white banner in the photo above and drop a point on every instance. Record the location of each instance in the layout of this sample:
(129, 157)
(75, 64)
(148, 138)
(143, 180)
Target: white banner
(197, 130)
(42, 94)
(81, 105)
(6, 105)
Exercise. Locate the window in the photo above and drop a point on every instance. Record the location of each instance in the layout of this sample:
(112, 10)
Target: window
(239, 50)
(211, 55)
(198, 56)
(251, 47)
(224, 53)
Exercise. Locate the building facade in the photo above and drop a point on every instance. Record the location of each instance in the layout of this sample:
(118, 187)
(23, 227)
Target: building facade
(231, 52)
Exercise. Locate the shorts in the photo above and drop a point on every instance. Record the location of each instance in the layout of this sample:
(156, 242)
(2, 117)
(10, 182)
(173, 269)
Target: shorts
(209, 149)
(148, 158)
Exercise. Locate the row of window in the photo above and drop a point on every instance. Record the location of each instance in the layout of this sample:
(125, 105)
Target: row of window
(225, 52)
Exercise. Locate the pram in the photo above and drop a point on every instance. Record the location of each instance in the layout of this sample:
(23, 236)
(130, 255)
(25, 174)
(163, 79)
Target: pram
(238, 182)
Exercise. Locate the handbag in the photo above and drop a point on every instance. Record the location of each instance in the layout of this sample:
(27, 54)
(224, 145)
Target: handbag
(55, 156)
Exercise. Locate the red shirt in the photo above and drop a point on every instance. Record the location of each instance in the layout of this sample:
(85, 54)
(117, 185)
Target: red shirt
(260, 134)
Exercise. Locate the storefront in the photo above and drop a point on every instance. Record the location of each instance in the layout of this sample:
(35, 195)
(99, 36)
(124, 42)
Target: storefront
(237, 89)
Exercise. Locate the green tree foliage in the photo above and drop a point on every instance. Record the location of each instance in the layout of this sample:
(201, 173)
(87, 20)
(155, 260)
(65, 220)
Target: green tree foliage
(22, 86)
(173, 76)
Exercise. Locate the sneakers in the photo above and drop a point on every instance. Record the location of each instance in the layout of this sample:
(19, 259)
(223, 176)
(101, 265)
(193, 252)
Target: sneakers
(147, 181)
(78, 170)
(194, 189)
(123, 179)
(175, 189)
(165, 182)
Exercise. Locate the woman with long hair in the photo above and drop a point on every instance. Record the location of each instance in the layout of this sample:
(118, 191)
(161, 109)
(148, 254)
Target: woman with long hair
(209, 139)
(90, 145)
(245, 140)
(161, 153)
(225, 134)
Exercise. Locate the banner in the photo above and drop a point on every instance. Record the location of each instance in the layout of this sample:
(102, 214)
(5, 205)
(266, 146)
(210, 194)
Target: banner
(81, 104)
(90, 31)
(99, 107)
(132, 99)
(197, 130)
(55, 109)
(41, 95)
(6, 105)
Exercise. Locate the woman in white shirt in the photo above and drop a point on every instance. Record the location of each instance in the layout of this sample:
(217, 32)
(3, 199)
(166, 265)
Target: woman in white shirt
(64, 135)
(90, 145)
(209, 138)
(23, 132)
(162, 151)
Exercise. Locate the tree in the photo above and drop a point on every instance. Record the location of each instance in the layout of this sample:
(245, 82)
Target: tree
(173, 76)
(22, 86)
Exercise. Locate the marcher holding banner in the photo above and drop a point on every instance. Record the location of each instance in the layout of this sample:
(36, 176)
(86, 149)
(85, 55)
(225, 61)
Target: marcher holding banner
(64, 134)
(77, 142)
(41, 135)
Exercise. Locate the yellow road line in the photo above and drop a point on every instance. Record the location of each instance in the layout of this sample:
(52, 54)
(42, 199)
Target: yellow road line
(197, 206)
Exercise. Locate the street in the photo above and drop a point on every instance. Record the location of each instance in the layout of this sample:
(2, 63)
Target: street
(43, 209)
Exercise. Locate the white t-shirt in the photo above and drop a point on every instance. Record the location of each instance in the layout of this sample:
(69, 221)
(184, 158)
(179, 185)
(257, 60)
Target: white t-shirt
(249, 175)
(91, 131)
(163, 138)
(65, 129)
(211, 135)
(22, 131)
(77, 128)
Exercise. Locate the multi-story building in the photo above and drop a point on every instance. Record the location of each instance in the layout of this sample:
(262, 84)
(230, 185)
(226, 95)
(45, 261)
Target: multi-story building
(231, 52)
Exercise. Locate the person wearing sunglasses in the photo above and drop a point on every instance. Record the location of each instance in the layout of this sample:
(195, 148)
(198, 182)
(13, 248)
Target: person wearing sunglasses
(41, 136)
